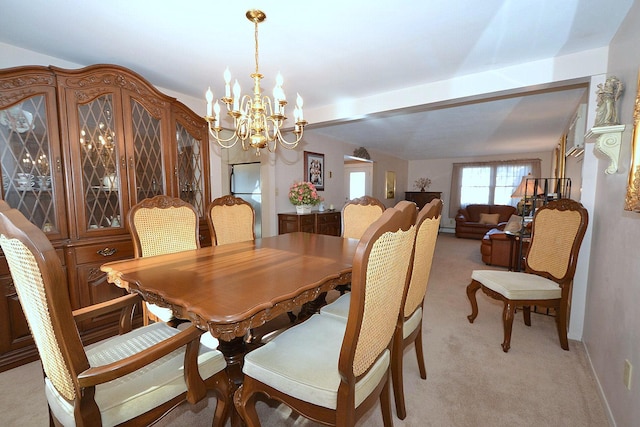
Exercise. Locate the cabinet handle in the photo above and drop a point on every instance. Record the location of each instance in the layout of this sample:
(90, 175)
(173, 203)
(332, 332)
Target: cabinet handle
(107, 251)
(123, 162)
(58, 164)
(131, 163)
(175, 171)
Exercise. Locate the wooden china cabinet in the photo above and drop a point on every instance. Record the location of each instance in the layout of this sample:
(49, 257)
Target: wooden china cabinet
(78, 148)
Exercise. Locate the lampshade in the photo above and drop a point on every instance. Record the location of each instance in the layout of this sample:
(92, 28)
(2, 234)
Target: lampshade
(527, 188)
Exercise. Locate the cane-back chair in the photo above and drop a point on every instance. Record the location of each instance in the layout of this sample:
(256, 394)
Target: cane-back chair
(359, 214)
(333, 371)
(162, 225)
(556, 235)
(231, 219)
(133, 378)
(427, 226)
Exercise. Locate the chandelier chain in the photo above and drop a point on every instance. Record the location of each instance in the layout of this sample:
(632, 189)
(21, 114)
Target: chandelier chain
(255, 22)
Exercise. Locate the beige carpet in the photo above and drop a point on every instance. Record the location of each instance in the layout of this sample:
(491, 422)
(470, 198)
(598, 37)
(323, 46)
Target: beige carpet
(470, 382)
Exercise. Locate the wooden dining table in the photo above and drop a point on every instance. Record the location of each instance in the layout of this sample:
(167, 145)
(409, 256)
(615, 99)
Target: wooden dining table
(230, 289)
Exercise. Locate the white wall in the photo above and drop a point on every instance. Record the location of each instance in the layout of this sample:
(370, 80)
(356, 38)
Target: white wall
(612, 321)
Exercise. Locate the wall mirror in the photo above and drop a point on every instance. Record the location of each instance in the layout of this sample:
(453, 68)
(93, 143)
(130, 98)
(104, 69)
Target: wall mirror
(632, 201)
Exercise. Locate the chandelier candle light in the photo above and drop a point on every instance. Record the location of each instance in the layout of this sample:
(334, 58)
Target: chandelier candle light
(257, 119)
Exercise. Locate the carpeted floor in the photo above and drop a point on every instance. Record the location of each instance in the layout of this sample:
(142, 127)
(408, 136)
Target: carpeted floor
(471, 381)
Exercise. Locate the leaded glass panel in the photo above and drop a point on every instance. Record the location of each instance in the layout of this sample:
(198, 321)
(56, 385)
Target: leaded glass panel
(99, 154)
(25, 158)
(190, 174)
(147, 142)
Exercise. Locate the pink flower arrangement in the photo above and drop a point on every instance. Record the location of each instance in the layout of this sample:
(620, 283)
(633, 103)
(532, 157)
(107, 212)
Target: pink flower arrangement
(304, 193)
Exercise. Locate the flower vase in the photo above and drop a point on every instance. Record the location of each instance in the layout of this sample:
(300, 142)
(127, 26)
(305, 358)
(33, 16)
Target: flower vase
(303, 209)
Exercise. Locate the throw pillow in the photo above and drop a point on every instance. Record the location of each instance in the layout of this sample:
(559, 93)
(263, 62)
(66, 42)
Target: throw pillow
(514, 224)
(486, 218)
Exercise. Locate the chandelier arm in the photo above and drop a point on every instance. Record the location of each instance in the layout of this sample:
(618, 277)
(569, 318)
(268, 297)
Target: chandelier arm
(221, 141)
(287, 144)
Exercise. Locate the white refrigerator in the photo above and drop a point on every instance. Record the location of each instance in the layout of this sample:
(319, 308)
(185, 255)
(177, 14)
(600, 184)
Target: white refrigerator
(245, 183)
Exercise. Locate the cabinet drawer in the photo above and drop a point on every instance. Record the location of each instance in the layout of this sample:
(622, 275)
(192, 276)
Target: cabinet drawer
(329, 218)
(104, 252)
(306, 220)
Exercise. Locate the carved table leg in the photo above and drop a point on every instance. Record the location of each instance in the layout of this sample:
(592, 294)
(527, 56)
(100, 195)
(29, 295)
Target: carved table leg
(234, 352)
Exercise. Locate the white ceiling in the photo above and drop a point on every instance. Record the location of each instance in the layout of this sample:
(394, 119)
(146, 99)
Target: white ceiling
(335, 50)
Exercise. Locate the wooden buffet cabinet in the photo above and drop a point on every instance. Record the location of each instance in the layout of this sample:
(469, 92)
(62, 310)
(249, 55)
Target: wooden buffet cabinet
(314, 222)
(421, 198)
(78, 148)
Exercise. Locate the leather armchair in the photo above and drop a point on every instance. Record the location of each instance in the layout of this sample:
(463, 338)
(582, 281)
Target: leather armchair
(497, 247)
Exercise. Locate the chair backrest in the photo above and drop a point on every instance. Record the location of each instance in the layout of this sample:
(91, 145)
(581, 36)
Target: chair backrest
(379, 277)
(231, 219)
(41, 286)
(427, 226)
(556, 235)
(163, 225)
(359, 214)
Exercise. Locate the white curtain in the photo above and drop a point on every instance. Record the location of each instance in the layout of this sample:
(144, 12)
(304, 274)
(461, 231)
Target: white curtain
(488, 182)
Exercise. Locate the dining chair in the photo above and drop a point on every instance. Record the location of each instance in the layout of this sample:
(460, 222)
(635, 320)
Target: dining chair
(427, 226)
(332, 371)
(136, 377)
(556, 235)
(162, 225)
(359, 214)
(231, 220)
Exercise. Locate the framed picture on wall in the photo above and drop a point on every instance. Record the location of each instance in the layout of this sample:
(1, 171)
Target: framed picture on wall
(390, 184)
(314, 169)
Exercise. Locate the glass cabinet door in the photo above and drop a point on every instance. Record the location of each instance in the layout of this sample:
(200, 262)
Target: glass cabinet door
(190, 153)
(30, 162)
(99, 153)
(190, 169)
(146, 158)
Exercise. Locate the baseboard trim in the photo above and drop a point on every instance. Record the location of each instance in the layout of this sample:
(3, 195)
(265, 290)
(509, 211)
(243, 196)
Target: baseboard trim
(603, 398)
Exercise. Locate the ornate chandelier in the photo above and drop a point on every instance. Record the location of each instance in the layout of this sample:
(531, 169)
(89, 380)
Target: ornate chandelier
(257, 119)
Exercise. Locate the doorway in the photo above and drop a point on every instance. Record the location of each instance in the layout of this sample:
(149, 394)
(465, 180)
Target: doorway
(357, 178)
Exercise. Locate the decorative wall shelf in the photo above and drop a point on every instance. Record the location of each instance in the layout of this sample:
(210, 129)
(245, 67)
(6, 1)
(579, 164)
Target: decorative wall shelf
(608, 143)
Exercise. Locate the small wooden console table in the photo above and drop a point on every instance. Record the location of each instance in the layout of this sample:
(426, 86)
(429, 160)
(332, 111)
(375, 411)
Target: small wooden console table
(327, 222)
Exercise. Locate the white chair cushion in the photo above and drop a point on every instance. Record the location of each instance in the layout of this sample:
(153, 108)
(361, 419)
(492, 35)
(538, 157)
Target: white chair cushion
(338, 308)
(412, 323)
(303, 362)
(127, 397)
(518, 286)
(163, 313)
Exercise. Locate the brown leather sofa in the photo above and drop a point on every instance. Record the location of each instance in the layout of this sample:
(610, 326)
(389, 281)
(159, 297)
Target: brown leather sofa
(468, 220)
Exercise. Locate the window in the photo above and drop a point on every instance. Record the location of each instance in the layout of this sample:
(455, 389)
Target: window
(488, 182)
